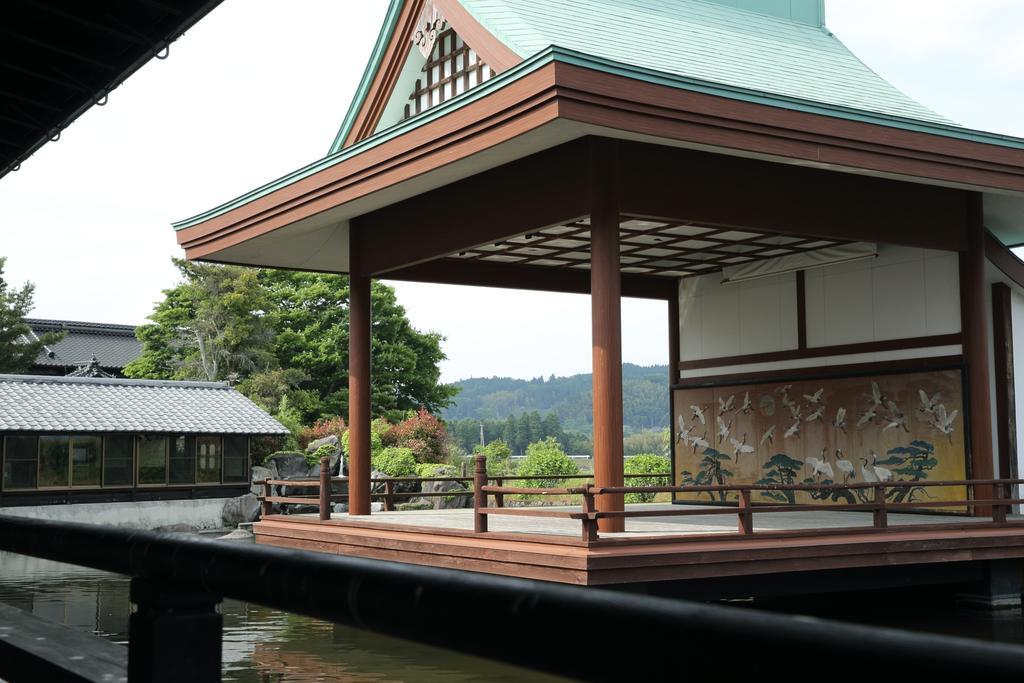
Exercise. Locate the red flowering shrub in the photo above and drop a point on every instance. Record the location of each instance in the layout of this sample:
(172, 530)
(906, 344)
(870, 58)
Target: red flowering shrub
(424, 434)
(321, 429)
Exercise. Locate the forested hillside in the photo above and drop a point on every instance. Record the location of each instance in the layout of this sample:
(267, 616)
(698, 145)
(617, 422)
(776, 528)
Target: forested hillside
(644, 389)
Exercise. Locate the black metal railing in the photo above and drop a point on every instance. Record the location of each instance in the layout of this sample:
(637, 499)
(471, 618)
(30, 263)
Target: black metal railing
(583, 633)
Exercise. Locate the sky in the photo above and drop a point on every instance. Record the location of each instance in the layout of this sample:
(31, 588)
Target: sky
(259, 88)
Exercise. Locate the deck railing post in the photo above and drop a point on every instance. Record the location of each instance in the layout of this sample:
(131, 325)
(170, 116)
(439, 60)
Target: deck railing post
(266, 505)
(881, 515)
(479, 496)
(174, 633)
(389, 495)
(746, 513)
(999, 509)
(325, 488)
(589, 522)
(499, 498)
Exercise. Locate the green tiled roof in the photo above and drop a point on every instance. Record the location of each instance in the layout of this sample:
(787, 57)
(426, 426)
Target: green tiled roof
(704, 41)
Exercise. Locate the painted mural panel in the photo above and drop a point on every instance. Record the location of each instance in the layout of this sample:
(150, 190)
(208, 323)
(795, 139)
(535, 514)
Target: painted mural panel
(891, 427)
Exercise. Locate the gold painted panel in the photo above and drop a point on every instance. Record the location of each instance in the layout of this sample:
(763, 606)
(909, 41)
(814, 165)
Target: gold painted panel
(892, 427)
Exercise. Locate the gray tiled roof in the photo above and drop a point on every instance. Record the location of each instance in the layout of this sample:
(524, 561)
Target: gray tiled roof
(96, 404)
(114, 346)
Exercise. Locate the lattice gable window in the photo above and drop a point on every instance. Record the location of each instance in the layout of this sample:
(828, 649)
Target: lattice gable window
(452, 66)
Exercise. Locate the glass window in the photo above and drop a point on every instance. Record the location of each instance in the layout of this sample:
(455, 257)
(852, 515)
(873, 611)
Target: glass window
(21, 464)
(85, 460)
(236, 459)
(208, 455)
(53, 461)
(152, 459)
(183, 461)
(117, 460)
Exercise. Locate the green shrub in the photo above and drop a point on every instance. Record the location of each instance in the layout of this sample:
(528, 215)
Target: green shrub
(498, 454)
(324, 451)
(646, 463)
(376, 445)
(432, 469)
(546, 458)
(394, 462)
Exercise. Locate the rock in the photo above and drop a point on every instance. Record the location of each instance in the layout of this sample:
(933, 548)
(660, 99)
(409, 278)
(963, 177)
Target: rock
(259, 475)
(376, 507)
(239, 536)
(416, 504)
(331, 440)
(447, 502)
(289, 465)
(242, 509)
(339, 507)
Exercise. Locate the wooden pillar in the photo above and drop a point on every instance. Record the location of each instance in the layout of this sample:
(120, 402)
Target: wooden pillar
(976, 349)
(1002, 346)
(673, 341)
(358, 382)
(606, 324)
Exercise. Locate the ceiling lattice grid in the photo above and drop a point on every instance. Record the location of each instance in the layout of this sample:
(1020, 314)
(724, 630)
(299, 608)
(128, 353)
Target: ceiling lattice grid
(647, 247)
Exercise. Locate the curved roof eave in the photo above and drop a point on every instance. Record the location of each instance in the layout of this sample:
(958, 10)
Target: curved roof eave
(553, 54)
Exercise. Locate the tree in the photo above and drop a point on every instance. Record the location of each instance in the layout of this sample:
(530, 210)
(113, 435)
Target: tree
(18, 347)
(284, 334)
(213, 326)
(647, 463)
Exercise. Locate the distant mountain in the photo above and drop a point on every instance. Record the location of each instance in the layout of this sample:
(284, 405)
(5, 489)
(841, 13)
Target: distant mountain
(644, 389)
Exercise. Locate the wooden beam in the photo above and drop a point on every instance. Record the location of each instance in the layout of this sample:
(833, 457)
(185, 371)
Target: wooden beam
(1004, 259)
(1006, 414)
(541, 190)
(359, 320)
(801, 310)
(606, 320)
(790, 200)
(674, 331)
(532, 278)
(975, 341)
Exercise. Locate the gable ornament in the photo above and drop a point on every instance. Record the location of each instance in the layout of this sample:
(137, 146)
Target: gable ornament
(428, 27)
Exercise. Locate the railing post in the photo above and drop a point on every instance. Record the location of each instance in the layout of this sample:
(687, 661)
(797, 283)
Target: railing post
(389, 495)
(999, 509)
(881, 515)
(479, 496)
(746, 514)
(499, 498)
(325, 488)
(589, 523)
(174, 633)
(266, 504)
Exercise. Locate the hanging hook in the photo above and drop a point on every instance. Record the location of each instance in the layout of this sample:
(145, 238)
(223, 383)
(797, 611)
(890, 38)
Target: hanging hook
(103, 100)
(166, 52)
(55, 136)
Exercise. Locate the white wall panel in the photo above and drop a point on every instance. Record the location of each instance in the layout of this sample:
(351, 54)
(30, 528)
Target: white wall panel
(718, 320)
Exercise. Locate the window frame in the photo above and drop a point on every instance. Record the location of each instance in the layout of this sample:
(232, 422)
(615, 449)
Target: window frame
(131, 436)
(138, 458)
(3, 462)
(71, 460)
(220, 458)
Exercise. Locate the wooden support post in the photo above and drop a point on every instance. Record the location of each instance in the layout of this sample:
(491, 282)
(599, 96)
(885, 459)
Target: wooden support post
(606, 320)
(266, 505)
(174, 633)
(358, 381)
(746, 513)
(325, 488)
(1005, 388)
(389, 495)
(674, 354)
(499, 498)
(975, 343)
(590, 531)
(999, 509)
(880, 513)
(479, 497)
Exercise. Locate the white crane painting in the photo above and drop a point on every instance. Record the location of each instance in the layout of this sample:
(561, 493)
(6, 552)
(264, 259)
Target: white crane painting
(902, 426)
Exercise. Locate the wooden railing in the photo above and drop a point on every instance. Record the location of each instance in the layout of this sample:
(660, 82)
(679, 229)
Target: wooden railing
(484, 488)
(745, 509)
(390, 495)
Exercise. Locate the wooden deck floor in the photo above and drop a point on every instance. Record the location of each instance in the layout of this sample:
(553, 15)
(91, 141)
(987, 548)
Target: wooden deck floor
(651, 549)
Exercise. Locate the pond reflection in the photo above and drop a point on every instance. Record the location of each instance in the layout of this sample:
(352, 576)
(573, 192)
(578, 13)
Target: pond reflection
(260, 644)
